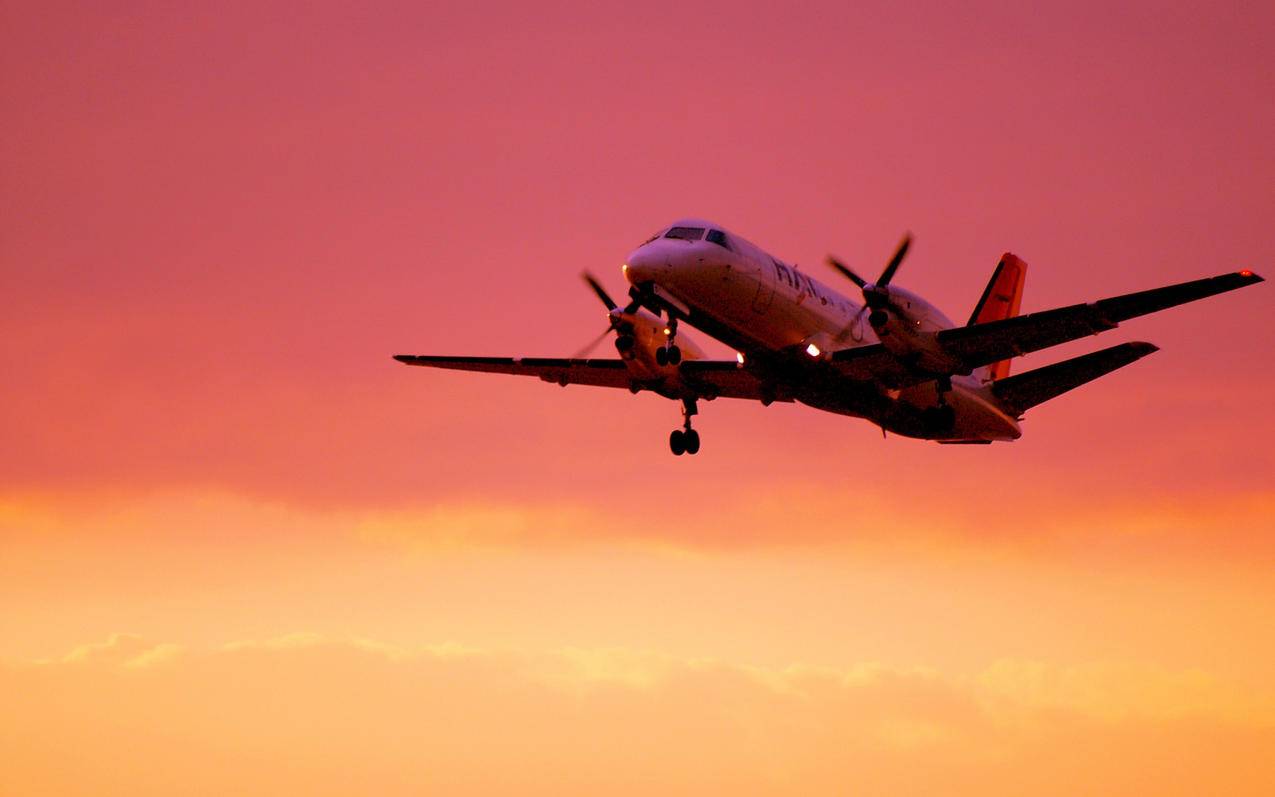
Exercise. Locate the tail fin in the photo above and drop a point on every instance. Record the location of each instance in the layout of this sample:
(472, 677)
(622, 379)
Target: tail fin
(1001, 299)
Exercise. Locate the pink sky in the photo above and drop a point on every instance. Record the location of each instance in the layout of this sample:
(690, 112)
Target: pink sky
(220, 224)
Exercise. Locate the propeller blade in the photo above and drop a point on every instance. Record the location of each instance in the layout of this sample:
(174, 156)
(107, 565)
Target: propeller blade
(593, 344)
(845, 271)
(893, 265)
(849, 328)
(598, 289)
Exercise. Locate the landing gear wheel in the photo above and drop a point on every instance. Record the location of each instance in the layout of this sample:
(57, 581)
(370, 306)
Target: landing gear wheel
(691, 438)
(939, 419)
(661, 356)
(677, 442)
(674, 355)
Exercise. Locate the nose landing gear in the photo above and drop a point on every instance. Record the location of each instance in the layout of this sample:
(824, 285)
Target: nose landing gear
(685, 440)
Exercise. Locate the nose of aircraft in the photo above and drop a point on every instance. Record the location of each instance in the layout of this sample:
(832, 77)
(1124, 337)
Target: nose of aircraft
(645, 265)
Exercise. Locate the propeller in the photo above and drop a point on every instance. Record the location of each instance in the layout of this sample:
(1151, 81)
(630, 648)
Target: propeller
(615, 320)
(893, 265)
(593, 283)
(876, 295)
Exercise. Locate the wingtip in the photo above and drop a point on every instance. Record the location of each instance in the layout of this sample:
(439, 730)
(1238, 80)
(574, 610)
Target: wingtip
(1250, 275)
(403, 358)
(1142, 348)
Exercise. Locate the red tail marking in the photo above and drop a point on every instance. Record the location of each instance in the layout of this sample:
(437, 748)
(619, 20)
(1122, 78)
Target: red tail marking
(1001, 299)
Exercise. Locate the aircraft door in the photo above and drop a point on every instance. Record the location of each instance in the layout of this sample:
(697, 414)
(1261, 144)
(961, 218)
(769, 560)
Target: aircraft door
(765, 288)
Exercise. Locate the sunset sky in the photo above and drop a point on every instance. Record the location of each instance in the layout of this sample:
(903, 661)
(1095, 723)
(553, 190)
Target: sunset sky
(244, 551)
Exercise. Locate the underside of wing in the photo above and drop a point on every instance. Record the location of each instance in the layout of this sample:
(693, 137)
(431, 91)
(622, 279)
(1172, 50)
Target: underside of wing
(980, 344)
(560, 370)
(873, 363)
(707, 378)
(727, 379)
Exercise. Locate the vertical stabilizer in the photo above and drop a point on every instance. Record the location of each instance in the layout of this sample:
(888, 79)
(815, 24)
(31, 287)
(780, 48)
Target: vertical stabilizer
(1000, 300)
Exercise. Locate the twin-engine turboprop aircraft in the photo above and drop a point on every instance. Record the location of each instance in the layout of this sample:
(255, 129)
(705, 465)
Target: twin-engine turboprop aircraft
(893, 359)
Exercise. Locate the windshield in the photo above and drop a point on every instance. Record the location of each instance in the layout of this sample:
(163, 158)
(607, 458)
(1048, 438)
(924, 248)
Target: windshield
(686, 233)
(718, 237)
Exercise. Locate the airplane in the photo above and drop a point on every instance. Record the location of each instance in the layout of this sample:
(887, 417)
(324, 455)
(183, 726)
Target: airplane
(893, 358)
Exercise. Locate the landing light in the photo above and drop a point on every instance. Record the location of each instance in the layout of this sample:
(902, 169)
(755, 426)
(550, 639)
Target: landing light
(812, 350)
(739, 355)
(667, 331)
(625, 268)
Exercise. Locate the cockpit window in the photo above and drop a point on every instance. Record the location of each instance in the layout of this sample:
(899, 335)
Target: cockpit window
(717, 237)
(686, 233)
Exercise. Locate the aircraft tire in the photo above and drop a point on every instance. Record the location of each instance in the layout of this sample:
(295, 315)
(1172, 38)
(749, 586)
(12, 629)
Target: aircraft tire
(661, 356)
(677, 443)
(692, 442)
(674, 355)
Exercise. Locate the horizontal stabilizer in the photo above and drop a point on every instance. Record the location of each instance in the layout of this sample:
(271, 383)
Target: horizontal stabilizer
(1019, 393)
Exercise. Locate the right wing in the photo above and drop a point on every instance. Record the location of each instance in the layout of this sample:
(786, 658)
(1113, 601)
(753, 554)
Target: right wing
(972, 346)
(724, 378)
(981, 344)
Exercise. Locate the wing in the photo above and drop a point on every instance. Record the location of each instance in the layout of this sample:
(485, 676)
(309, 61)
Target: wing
(981, 344)
(874, 363)
(563, 371)
(714, 378)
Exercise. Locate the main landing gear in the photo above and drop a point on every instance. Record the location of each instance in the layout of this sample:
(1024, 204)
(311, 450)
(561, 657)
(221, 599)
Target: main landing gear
(669, 353)
(942, 417)
(685, 440)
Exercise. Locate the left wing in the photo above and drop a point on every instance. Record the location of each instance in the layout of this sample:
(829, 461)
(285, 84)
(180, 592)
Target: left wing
(706, 378)
(602, 373)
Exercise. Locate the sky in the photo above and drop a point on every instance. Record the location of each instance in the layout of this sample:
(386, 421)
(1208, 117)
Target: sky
(242, 549)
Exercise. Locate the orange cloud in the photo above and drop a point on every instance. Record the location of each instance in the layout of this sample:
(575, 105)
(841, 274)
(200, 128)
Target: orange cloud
(309, 713)
(1190, 525)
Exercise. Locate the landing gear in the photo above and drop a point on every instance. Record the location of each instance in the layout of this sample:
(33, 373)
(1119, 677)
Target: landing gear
(940, 418)
(685, 440)
(943, 386)
(669, 353)
(624, 345)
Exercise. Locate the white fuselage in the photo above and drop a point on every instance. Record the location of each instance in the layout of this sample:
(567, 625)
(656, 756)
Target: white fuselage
(761, 306)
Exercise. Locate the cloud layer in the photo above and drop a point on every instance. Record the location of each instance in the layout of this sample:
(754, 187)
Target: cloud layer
(304, 713)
